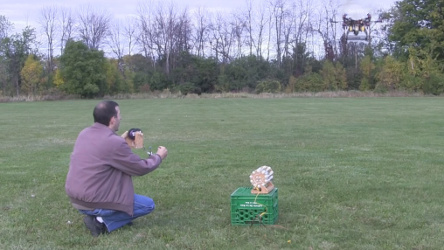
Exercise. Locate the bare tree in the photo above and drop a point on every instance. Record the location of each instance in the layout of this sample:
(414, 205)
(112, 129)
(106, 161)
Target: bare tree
(201, 32)
(249, 25)
(237, 29)
(5, 27)
(278, 10)
(164, 41)
(146, 31)
(130, 34)
(255, 23)
(183, 33)
(115, 40)
(93, 27)
(288, 23)
(302, 18)
(48, 24)
(260, 30)
(164, 33)
(116, 45)
(325, 27)
(333, 35)
(223, 39)
(67, 27)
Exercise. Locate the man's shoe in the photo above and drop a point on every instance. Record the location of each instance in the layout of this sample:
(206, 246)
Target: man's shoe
(96, 228)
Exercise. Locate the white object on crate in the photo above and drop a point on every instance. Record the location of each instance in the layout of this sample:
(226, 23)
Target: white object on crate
(261, 180)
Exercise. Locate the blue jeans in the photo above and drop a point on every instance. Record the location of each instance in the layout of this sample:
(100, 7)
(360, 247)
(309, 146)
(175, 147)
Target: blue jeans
(116, 219)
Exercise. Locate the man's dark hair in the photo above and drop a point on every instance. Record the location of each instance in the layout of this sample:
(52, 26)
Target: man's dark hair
(104, 111)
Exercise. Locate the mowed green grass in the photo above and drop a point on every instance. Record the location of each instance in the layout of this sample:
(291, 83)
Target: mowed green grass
(352, 173)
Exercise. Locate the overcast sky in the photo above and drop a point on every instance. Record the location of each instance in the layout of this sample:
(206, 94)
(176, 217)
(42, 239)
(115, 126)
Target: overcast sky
(28, 12)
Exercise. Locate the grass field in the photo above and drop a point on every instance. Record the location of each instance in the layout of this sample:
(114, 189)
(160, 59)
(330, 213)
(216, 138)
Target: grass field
(352, 173)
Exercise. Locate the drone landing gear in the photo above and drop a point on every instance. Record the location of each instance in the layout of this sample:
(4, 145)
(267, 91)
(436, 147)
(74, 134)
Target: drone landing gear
(357, 38)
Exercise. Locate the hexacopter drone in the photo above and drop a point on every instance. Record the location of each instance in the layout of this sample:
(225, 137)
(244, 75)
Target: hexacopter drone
(261, 180)
(357, 29)
(356, 26)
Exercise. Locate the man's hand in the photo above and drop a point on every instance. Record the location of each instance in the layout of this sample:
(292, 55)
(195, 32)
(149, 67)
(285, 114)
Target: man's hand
(124, 135)
(162, 152)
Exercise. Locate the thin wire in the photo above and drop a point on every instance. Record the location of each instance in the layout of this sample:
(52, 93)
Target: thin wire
(266, 209)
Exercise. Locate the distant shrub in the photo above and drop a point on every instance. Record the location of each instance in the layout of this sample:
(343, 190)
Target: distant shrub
(434, 84)
(309, 82)
(381, 88)
(189, 88)
(268, 86)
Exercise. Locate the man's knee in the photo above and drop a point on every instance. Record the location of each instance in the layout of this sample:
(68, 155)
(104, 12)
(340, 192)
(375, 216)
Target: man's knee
(149, 206)
(143, 205)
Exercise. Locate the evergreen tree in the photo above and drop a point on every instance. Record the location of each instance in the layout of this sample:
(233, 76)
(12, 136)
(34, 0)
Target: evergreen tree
(83, 70)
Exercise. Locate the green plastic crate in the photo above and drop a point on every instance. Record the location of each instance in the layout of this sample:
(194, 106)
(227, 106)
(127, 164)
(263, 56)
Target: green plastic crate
(246, 208)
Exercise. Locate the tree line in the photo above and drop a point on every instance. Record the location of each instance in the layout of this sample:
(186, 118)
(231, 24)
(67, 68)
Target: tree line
(276, 46)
